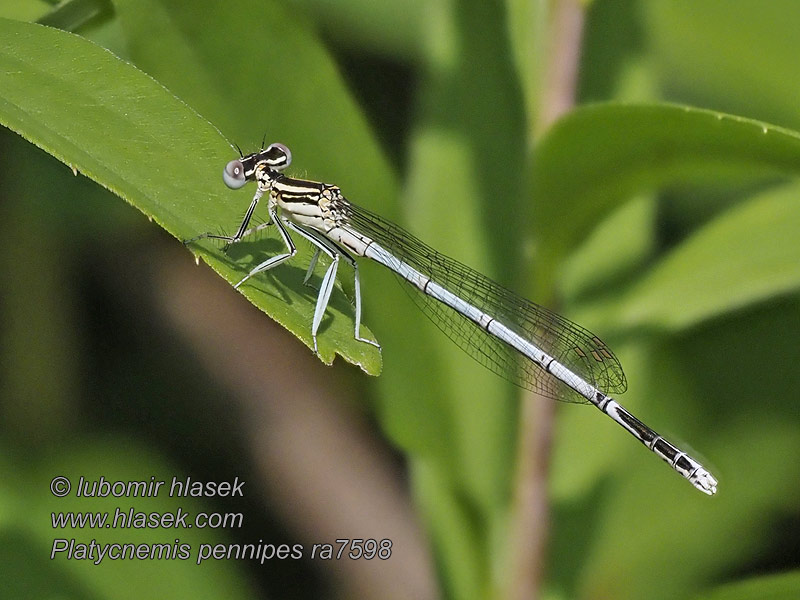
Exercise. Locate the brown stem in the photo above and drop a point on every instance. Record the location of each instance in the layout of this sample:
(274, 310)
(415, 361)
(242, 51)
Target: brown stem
(562, 62)
(530, 510)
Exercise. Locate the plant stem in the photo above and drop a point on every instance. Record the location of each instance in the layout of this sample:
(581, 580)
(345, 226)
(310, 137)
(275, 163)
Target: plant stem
(530, 510)
(562, 57)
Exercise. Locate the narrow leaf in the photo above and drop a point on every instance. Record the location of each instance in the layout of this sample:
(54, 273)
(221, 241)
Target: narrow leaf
(748, 254)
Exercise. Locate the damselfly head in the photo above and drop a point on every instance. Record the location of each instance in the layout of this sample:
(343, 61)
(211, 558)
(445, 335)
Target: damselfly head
(241, 170)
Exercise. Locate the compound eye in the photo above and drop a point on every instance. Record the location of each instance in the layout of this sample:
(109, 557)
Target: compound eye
(233, 175)
(280, 156)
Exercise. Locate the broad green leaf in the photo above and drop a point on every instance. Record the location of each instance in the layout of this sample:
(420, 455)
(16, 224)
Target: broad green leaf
(599, 156)
(783, 586)
(119, 127)
(746, 255)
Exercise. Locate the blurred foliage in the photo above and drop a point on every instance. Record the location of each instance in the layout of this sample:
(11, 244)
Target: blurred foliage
(668, 226)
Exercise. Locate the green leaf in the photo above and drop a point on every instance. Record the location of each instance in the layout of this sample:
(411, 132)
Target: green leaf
(784, 586)
(24, 11)
(599, 156)
(388, 28)
(714, 65)
(124, 130)
(606, 256)
(748, 254)
(73, 14)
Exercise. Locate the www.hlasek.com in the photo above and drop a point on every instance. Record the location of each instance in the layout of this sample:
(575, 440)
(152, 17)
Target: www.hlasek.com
(130, 518)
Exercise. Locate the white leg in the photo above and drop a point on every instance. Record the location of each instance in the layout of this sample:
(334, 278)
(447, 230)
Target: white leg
(334, 251)
(273, 260)
(311, 265)
(324, 297)
(357, 292)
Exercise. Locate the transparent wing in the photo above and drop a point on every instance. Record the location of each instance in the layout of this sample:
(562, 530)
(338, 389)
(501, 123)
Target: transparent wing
(573, 346)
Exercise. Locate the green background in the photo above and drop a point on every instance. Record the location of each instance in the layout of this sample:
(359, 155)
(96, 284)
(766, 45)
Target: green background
(662, 212)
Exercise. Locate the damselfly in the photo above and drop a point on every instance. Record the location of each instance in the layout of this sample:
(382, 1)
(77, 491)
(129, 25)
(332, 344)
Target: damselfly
(523, 342)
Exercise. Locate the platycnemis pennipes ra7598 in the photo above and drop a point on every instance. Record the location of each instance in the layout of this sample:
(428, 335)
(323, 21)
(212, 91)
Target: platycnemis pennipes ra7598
(525, 343)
